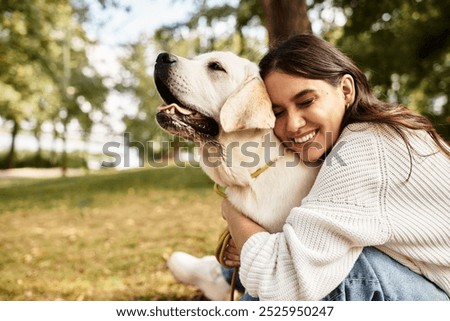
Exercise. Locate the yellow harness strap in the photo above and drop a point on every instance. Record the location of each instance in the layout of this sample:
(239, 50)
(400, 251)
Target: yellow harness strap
(224, 238)
(262, 169)
(222, 244)
(220, 190)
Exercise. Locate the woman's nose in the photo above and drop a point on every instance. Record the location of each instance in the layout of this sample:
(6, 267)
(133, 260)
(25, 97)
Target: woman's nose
(295, 122)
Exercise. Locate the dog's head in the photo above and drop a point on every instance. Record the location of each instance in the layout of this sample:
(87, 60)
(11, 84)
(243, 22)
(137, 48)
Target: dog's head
(213, 93)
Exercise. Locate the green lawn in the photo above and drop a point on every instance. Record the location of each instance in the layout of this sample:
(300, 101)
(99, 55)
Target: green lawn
(104, 236)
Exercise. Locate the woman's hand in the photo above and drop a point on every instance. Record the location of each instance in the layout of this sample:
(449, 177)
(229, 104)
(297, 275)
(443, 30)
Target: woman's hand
(231, 255)
(239, 225)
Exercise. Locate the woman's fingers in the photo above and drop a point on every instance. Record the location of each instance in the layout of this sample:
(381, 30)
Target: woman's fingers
(231, 255)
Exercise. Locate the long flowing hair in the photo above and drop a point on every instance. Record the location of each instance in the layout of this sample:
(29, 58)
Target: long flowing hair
(310, 57)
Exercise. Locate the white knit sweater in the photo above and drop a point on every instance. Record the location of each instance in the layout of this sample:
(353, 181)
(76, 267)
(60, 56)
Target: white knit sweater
(360, 198)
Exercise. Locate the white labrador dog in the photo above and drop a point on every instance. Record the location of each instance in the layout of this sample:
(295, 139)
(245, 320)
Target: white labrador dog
(219, 100)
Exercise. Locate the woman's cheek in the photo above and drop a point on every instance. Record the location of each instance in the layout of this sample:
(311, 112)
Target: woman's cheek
(278, 129)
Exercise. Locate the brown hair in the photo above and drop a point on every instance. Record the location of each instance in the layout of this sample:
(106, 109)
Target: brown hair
(310, 57)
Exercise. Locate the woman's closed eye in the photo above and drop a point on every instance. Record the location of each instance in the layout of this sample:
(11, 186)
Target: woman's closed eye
(306, 102)
(277, 111)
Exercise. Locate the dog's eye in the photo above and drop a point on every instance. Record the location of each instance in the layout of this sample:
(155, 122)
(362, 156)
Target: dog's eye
(214, 65)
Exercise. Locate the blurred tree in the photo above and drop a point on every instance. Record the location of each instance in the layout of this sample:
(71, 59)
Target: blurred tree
(23, 39)
(81, 86)
(137, 82)
(285, 18)
(216, 27)
(405, 48)
(240, 28)
(45, 74)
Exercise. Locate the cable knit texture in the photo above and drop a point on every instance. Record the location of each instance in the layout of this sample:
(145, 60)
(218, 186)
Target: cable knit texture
(361, 197)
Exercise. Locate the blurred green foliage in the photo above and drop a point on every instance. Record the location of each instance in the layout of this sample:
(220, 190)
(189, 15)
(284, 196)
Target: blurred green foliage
(405, 48)
(45, 159)
(45, 73)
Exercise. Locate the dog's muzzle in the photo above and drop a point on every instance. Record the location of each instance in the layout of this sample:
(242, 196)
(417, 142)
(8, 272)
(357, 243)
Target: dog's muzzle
(175, 116)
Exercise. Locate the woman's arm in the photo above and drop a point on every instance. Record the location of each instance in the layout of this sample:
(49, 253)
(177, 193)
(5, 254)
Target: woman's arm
(240, 226)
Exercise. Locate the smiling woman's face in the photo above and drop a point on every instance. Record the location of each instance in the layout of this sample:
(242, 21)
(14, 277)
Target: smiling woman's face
(308, 112)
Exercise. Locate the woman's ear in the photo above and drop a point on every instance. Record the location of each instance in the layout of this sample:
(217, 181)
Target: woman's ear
(347, 86)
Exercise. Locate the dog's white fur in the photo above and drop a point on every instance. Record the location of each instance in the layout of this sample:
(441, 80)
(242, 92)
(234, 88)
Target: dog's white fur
(236, 98)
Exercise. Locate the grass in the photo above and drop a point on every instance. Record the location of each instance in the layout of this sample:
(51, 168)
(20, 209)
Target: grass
(104, 236)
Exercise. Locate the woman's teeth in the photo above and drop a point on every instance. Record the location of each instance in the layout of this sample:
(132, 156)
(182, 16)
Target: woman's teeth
(305, 138)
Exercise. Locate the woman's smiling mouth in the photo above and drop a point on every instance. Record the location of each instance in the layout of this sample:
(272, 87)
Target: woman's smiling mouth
(305, 138)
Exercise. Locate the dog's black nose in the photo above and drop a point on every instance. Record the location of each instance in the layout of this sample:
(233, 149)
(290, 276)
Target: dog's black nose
(166, 58)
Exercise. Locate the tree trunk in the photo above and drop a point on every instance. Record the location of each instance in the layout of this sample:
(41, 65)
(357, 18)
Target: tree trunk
(64, 151)
(285, 18)
(38, 156)
(10, 159)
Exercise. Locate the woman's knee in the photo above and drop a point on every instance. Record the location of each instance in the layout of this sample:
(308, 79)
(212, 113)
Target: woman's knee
(377, 277)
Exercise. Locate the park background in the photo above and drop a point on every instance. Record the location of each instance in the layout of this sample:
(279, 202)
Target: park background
(76, 76)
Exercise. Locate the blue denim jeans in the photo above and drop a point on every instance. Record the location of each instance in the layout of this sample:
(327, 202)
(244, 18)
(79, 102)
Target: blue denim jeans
(375, 277)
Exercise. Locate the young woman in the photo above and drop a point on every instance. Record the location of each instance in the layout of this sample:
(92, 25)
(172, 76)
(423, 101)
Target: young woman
(376, 224)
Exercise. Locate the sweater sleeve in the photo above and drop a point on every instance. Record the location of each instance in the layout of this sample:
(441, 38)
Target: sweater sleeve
(321, 240)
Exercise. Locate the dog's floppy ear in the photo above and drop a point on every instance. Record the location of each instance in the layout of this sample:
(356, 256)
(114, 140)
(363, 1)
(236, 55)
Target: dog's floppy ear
(248, 108)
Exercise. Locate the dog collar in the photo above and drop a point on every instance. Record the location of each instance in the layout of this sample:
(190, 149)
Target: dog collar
(259, 171)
